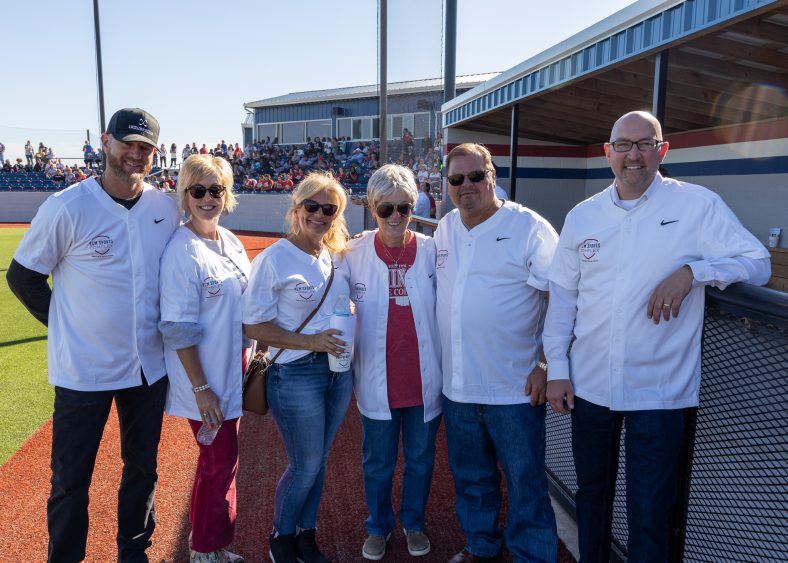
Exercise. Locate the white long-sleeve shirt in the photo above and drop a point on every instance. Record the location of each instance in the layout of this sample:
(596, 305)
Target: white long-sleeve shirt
(609, 261)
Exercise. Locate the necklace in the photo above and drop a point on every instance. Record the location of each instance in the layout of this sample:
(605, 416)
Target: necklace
(401, 252)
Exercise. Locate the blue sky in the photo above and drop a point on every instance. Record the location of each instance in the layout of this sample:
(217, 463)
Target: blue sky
(193, 64)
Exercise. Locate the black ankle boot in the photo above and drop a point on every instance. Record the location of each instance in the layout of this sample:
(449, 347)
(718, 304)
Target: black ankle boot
(282, 548)
(306, 548)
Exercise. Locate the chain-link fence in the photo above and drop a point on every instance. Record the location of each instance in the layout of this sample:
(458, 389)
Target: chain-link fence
(735, 489)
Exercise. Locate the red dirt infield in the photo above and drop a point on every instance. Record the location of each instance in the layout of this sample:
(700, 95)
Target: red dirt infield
(24, 487)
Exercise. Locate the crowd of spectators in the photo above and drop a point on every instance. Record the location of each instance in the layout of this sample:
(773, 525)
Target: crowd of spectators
(42, 159)
(262, 166)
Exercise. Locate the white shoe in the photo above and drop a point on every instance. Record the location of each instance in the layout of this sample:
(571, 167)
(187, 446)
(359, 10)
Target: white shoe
(218, 556)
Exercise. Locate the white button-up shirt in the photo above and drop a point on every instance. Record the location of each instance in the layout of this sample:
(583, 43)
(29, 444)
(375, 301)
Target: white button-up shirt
(104, 260)
(609, 261)
(490, 302)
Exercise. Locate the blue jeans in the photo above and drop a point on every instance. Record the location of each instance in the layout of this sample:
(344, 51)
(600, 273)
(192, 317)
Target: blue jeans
(652, 446)
(481, 438)
(380, 444)
(308, 402)
(77, 426)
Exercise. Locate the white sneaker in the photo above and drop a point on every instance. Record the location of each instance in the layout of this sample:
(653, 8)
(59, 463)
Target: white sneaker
(218, 556)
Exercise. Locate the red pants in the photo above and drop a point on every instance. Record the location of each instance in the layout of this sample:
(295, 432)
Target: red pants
(212, 510)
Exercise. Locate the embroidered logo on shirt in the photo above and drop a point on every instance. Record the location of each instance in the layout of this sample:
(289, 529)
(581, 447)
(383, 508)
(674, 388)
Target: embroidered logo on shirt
(663, 222)
(588, 249)
(101, 246)
(157, 221)
(443, 255)
(361, 290)
(212, 287)
(304, 291)
(499, 239)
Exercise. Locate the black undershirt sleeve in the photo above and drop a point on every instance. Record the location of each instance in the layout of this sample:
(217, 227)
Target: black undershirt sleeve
(31, 288)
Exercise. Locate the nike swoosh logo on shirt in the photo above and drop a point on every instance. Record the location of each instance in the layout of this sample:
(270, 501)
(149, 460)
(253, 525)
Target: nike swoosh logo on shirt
(499, 239)
(663, 222)
(157, 221)
(430, 275)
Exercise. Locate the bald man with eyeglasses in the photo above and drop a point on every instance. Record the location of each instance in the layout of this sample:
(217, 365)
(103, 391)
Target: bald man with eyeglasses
(627, 292)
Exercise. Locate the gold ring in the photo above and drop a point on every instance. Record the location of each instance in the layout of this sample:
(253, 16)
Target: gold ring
(666, 305)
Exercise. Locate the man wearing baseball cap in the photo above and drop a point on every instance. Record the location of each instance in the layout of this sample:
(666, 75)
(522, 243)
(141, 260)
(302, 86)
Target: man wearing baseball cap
(101, 240)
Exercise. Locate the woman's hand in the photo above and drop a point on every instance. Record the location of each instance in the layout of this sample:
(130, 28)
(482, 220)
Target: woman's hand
(327, 341)
(210, 410)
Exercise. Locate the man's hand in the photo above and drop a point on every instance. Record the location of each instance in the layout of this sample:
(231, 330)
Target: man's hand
(561, 395)
(536, 385)
(667, 297)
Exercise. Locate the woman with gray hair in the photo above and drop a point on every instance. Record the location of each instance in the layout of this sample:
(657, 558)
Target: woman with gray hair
(397, 375)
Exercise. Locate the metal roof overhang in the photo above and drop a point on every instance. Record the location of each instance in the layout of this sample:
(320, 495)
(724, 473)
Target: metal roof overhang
(727, 65)
(369, 91)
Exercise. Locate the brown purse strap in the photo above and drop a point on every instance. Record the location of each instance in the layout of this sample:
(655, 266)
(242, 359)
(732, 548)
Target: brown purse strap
(314, 311)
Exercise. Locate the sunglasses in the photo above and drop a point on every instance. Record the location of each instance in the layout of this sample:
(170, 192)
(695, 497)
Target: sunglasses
(312, 206)
(384, 210)
(197, 191)
(475, 177)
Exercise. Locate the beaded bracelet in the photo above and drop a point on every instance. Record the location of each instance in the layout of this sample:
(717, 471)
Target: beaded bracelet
(201, 388)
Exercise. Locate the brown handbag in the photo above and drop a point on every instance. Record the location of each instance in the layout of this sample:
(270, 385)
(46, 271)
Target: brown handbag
(255, 379)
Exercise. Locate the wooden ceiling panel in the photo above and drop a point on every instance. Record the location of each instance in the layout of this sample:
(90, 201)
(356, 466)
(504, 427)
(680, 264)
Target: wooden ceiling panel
(735, 74)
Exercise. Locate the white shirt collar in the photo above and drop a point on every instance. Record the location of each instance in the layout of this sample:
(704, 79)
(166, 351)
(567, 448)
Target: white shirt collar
(648, 194)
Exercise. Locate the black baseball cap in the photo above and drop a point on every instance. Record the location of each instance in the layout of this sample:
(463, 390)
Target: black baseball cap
(134, 124)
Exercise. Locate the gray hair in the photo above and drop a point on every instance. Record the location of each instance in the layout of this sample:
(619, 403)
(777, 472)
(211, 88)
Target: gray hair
(391, 179)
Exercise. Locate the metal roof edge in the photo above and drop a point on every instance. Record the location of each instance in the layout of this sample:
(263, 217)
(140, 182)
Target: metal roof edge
(365, 91)
(629, 15)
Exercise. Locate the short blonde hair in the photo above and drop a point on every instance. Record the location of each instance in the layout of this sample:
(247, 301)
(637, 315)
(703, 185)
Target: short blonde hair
(197, 167)
(391, 179)
(335, 239)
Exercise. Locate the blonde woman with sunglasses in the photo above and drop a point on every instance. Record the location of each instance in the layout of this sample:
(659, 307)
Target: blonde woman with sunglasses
(204, 273)
(308, 400)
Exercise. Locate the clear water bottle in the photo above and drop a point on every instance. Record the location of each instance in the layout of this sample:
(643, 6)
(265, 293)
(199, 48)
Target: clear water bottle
(342, 320)
(206, 435)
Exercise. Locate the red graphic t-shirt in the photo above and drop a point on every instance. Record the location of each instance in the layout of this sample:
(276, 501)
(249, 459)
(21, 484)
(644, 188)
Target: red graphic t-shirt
(403, 369)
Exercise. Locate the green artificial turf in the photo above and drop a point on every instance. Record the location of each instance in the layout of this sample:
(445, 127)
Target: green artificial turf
(25, 395)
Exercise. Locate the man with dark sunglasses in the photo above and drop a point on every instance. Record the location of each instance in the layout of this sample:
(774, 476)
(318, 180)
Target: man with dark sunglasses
(101, 239)
(492, 262)
(629, 260)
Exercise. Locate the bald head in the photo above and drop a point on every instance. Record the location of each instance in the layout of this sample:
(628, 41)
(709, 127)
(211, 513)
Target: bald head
(634, 117)
(635, 168)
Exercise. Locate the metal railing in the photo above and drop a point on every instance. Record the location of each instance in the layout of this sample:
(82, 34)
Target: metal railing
(424, 225)
(734, 489)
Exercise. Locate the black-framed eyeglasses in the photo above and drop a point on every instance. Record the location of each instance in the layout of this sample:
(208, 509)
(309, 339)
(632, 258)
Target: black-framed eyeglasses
(384, 210)
(312, 206)
(197, 191)
(643, 145)
(475, 176)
